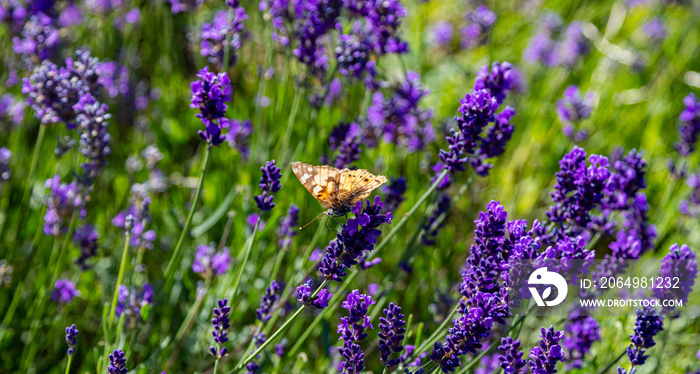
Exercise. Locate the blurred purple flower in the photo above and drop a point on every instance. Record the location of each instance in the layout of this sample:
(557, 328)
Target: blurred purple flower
(131, 303)
(689, 128)
(655, 30)
(441, 33)
(479, 22)
(208, 262)
(64, 291)
(238, 136)
(288, 227)
(11, 111)
(86, 238)
(5, 171)
(681, 263)
(269, 299)
(62, 201)
(38, 42)
(395, 191)
(222, 28)
(398, 119)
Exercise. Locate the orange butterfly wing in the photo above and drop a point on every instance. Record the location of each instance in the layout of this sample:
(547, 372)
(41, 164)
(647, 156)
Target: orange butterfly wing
(335, 188)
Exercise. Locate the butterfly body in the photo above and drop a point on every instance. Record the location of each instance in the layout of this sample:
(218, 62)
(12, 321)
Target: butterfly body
(337, 189)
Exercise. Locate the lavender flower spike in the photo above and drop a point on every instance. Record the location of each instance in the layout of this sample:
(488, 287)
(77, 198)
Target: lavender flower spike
(547, 353)
(210, 94)
(646, 326)
(269, 183)
(209, 263)
(511, 358)
(268, 301)
(318, 302)
(681, 263)
(117, 362)
(71, 338)
(352, 331)
(221, 323)
(390, 338)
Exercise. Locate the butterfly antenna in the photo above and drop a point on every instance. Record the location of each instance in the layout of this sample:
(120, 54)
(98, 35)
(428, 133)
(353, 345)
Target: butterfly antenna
(317, 217)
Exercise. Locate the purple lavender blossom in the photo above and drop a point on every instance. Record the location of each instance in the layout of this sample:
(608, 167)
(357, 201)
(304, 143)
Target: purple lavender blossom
(139, 209)
(511, 358)
(64, 291)
(132, 302)
(117, 362)
(479, 22)
(547, 353)
(395, 191)
(353, 55)
(5, 171)
(39, 40)
(210, 94)
(574, 108)
(221, 323)
(317, 303)
(556, 45)
(398, 119)
(86, 238)
(357, 237)
(270, 184)
(210, 263)
(646, 326)
(214, 35)
(477, 109)
(288, 227)
(62, 202)
(352, 331)
(178, 6)
(682, 263)
(71, 339)
(94, 138)
(13, 14)
(238, 136)
(498, 80)
(114, 78)
(279, 348)
(581, 333)
(11, 111)
(689, 128)
(269, 300)
(52, 93)
(655, 30)
(483, 301)
(579, 188)
(348, 148)
(442, 32)
(393, 328)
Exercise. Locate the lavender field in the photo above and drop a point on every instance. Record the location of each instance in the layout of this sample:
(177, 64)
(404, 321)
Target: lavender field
(158, 158)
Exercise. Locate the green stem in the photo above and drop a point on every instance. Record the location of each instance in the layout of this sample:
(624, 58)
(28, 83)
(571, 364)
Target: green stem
(175, 259)
(246, 256)
(279, 331)
(290, 124)
(122, 267)
(35, 160)
(70, 361)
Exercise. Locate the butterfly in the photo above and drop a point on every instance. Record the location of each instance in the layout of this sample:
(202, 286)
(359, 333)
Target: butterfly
(337, 190)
